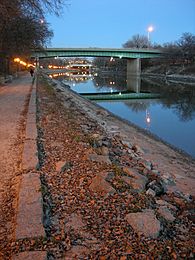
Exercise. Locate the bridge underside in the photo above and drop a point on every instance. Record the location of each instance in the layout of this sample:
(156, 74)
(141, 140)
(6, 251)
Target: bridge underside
(133, 56)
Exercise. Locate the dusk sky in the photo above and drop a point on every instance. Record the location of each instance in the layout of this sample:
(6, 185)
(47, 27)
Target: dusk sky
(110, 23)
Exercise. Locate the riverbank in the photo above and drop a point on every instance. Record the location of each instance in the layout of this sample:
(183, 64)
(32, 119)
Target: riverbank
(109, 190)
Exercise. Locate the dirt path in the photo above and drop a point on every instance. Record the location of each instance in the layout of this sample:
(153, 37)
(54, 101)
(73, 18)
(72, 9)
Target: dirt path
(13, 104)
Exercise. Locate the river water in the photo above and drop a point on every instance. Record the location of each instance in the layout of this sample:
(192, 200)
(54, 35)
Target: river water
(170, 117)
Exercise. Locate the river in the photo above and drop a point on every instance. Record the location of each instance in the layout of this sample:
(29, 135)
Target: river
(170, 117)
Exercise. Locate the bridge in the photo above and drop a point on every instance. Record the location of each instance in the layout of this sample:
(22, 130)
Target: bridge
(133, 55)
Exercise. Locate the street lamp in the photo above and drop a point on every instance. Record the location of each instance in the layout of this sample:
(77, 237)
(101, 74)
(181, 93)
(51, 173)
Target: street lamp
(149, 30)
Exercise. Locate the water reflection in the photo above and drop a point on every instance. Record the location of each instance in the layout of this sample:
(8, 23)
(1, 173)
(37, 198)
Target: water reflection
(172, 117)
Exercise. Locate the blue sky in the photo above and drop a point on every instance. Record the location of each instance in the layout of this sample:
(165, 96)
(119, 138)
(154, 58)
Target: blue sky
(110, 23)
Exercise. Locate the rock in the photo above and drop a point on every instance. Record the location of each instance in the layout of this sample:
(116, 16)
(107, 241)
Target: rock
(146, 164)
(165, 203)
(127, 144)
(137, 149)
(117, 151)
(104, 150)
(74, 221)
(99, 158)
(151, 192)
(96, 140)
(59, 165)
(76, 252)
(156, 172)
(167, 179)
(166, 214)
(157, 187)
(101, 186)
(134, 179)
(144, 223)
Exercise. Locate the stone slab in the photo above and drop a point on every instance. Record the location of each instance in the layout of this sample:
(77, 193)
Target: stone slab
(31, 131)
(31, 255)
(144, 223)
(30, 155)
(101, 186)
(29, 216)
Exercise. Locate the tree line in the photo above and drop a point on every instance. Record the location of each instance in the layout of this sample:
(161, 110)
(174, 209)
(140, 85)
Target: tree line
(23, 27)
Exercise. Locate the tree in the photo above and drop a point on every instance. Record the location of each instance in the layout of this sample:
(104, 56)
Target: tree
(21, 27)
(23, 34)
(186, 44)
(137, 41)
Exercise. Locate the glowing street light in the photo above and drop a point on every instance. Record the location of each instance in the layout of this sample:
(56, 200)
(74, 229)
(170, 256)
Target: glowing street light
(149, 30)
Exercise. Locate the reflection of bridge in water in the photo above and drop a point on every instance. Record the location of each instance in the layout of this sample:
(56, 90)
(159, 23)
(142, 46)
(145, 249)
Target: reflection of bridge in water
(132, 92)
(120, 96)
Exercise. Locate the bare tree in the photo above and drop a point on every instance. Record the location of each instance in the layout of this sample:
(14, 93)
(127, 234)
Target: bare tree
(186, 44)
(24, 34)
(20, 27)
(137, 41)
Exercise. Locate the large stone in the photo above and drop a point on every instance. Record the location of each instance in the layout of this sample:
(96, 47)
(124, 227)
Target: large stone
(166, 213)
(101, 186)
(75, 224)
(74, 221)
(99, 158)
(157, 187)
(144, 223)
(77, 252)
(134, 179)
(59, 165)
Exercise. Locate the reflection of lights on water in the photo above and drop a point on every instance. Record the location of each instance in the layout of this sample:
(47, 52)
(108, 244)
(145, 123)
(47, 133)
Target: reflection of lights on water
(111, 90)
(148, 118)
(119, 93)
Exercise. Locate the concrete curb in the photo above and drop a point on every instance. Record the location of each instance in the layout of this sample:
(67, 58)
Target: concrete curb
(30, 154)
(30, 209)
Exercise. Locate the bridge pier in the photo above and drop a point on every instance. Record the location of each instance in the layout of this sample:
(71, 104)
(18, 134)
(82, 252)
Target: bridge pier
(134, 83)
(134, 67)
(133, 74)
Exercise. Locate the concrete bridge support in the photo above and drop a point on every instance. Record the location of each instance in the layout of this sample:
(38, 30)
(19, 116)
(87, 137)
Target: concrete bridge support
(134, 67)
(133, 74)
(134, 83)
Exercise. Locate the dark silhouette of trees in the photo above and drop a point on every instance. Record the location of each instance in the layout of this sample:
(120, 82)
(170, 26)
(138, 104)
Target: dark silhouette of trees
(186, 45)
(23, 27)
(137, 41)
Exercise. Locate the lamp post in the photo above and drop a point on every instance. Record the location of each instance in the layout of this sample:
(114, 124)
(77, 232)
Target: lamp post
(149, 30)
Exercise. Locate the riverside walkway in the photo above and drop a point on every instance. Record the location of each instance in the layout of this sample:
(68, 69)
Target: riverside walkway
(17, 145)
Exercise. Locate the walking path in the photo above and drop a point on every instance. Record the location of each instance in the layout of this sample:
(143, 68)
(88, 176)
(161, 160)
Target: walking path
(18, 218)
(13, 100)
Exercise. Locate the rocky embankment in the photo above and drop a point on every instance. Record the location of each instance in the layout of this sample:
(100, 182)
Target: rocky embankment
(110, 191)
